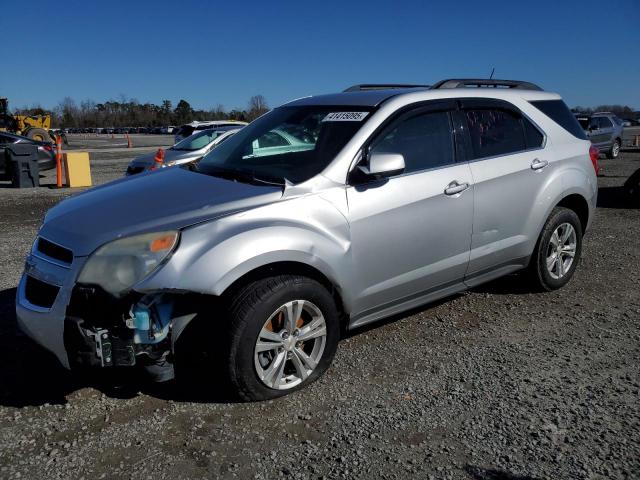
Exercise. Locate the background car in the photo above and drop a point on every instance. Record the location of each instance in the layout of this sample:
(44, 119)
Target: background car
(46, 152)
(191, 148)
(604, 129)
(189, 129)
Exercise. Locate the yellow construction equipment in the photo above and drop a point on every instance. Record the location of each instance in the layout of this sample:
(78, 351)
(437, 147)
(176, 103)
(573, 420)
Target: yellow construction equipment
(35, 127)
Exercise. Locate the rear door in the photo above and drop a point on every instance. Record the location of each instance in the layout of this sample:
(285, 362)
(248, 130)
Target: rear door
(509, 168)
(597, 133)
(411, 232)
(605, 133)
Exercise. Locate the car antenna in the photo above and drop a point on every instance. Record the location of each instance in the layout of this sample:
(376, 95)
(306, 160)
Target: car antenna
(493, 69)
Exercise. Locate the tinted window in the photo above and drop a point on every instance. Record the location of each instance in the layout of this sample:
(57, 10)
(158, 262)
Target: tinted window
(424, 140)
(532, 135)
(495, 132)
(605, 122)
(558, 111)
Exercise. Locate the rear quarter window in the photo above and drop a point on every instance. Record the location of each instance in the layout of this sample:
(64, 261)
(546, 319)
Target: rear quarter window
(558, 111)
(533, 136)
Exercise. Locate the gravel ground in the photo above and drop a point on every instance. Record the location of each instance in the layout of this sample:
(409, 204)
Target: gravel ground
(494, 384)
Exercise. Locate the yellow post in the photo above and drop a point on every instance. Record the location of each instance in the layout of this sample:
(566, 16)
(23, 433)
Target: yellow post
(77, 169)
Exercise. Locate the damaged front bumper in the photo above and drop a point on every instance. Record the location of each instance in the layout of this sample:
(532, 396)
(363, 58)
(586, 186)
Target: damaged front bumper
(85, 327)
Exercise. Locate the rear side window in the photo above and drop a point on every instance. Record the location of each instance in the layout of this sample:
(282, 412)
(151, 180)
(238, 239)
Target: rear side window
(558, 111)
(495, 132)
(425, 140)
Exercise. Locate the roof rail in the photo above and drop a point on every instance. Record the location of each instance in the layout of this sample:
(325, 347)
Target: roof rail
(485, 83)
(382, 86)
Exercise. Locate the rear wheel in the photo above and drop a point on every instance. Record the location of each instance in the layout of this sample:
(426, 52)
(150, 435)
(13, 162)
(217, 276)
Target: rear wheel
(558, 250)
(614, 151)
(284, 333)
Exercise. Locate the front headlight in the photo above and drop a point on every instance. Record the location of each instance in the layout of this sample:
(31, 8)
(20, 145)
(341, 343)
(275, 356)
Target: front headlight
(119, 265)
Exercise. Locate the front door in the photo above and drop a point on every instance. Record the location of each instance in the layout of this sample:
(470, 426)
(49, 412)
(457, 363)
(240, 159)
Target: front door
(411, 232)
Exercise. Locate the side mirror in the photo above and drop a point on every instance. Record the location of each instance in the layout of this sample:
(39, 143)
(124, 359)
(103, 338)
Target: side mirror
(383, 164)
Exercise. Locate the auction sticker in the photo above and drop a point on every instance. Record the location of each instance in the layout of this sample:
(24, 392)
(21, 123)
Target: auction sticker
(345, 117)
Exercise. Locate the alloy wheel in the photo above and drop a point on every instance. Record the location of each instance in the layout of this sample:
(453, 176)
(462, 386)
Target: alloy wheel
(290, 345)
(561, 250)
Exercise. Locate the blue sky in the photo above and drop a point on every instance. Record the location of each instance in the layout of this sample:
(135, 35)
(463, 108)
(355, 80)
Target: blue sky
(223, 52)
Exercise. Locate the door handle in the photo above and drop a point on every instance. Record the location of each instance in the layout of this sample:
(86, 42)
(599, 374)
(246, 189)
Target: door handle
(538, 164)
(454, 188)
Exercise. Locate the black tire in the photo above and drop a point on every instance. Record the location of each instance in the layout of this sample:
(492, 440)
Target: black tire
(538, 271)
(250, 308)
(614, 151)
(38, 134)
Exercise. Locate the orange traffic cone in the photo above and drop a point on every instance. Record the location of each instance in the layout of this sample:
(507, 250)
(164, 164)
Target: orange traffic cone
(158, 160)
(58, 161)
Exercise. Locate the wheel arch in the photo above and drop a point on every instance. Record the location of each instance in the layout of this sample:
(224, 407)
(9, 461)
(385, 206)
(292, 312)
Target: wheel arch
(287, 267)
(579, 205)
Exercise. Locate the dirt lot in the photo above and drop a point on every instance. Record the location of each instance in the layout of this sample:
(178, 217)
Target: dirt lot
(495, 384)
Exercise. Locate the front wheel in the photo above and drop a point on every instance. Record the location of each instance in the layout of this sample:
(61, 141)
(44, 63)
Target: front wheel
(284, 333)
(38, 134)
(558, 250)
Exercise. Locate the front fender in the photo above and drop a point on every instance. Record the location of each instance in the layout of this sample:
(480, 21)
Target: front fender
(211, 256)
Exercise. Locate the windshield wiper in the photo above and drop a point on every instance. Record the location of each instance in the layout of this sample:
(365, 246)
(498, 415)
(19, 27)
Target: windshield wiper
(242, 176)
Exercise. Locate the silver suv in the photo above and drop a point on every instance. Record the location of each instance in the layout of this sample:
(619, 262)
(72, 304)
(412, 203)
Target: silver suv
(255, 258)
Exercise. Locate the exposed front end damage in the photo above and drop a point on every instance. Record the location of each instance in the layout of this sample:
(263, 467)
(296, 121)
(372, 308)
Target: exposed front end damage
(136, 330)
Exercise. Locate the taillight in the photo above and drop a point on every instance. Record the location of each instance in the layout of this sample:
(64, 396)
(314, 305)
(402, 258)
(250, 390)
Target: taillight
(48, 148)
(594, 153)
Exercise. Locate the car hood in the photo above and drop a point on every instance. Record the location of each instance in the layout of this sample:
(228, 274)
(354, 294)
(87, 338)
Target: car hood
(172, 198)
(147, 159)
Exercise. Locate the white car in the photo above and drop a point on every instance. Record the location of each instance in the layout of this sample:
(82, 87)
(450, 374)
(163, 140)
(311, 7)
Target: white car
(184, 131)
(188, 150)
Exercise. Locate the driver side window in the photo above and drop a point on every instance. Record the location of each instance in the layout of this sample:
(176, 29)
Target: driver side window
(425, 140)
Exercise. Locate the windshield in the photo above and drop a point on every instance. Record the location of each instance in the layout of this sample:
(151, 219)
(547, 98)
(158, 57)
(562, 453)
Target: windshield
(288, 143)
(198, 140)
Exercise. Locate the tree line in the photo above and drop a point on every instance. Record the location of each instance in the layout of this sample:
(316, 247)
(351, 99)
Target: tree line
(621, 111)
(130, 113)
